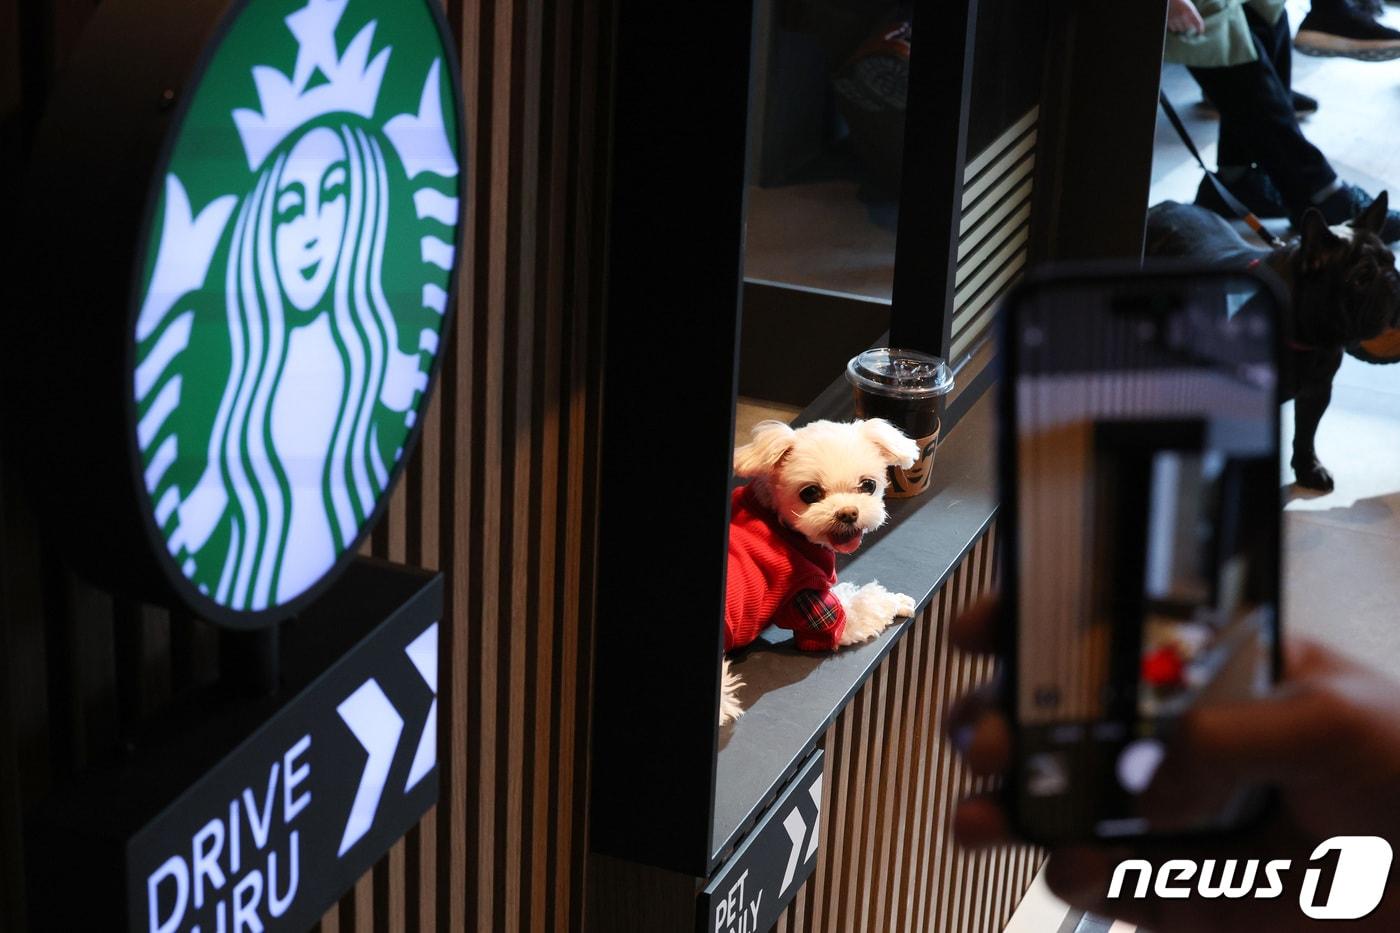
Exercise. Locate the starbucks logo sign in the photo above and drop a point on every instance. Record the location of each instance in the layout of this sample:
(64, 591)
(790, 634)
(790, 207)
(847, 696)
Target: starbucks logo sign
(292, 290)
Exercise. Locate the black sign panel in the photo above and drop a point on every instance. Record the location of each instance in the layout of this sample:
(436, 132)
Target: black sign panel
(754, 887)
(295, 798)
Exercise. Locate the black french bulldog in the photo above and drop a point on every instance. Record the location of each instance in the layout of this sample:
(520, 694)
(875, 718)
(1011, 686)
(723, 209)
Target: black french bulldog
(1344, 289)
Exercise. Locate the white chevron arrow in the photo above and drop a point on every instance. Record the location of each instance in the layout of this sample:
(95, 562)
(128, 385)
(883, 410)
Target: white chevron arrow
(377, 726)
(423, 652)
(796, 828)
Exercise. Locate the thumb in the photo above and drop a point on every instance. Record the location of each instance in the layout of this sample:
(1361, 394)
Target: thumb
(1287, 738)
(1278, 738)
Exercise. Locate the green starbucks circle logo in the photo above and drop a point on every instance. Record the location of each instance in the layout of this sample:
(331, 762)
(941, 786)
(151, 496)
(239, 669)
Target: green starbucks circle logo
(294, 290)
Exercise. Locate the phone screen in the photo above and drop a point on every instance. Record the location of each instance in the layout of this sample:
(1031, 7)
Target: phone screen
(1144, 480)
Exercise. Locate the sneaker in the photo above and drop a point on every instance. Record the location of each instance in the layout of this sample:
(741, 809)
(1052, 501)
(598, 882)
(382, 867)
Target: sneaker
(1303, 105)
(1347, 203)
(1255, 188)
(1342, 30)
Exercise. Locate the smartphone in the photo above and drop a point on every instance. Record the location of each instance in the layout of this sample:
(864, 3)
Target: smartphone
(1141, 502)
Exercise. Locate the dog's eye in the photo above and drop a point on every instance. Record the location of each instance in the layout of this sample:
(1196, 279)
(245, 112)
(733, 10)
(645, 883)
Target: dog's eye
(868, 487)
(810, 494)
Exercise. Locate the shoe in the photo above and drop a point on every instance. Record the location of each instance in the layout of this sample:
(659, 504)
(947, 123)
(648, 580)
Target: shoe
(1348, 202)
(1255, 189)
(1303, 105)
(1342, 30)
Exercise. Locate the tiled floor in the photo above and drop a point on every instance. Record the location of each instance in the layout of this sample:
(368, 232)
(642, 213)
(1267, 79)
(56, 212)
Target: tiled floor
(1342, 550)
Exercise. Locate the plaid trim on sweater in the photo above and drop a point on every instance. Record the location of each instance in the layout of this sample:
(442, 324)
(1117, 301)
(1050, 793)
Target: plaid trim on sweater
(814, 615)
(777, 577)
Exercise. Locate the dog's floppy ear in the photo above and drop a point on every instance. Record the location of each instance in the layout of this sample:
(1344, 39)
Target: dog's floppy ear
(1373, 217)
(771, 442)
(1317, 237)
(896, 448)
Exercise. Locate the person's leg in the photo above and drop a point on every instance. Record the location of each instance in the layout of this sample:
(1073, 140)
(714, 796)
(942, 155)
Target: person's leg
(1257, 125)
(1276, 42)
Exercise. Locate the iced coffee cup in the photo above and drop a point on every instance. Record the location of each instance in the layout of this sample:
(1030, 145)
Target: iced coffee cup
(908, 389)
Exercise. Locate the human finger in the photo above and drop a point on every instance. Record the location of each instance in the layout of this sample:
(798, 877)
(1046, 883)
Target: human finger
(1281, 738)
(967, 710)
(975, 629)
(980, 822)
(1304, 659)
(980, 732)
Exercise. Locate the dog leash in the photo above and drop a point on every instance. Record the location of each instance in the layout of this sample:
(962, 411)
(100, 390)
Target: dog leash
(1232, 202)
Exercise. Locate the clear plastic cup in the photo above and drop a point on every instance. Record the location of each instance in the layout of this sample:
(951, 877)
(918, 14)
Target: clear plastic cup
(908, 389)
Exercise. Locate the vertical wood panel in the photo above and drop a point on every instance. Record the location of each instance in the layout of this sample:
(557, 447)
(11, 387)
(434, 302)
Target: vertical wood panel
(887, 860)
(501, 493)
(500, 496)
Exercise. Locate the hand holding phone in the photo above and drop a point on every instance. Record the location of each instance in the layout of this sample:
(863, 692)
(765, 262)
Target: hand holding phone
(1140, 497)
(1326, 738)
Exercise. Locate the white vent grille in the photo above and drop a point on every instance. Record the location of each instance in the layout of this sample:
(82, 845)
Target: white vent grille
(994, 232)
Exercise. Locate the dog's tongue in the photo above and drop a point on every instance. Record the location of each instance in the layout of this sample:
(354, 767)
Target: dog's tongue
(849, 544)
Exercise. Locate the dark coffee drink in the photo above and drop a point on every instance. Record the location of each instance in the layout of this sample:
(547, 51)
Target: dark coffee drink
(907, 389)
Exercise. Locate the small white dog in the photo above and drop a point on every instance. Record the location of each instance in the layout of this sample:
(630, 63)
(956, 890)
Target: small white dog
(812, 493)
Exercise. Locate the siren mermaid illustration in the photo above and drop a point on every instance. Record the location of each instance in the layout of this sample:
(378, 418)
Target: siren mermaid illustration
(263, 468)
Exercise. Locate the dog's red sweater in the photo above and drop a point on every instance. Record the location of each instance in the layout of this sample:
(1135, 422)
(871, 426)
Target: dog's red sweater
(777, 577)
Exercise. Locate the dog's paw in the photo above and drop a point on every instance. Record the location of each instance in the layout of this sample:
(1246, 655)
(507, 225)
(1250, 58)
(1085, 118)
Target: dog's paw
(904, 606)
(845, 592)
(869, 611)
(729, 708)
(1313, 475)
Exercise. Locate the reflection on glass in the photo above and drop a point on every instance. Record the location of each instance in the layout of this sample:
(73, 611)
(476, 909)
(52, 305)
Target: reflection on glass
(828, 137)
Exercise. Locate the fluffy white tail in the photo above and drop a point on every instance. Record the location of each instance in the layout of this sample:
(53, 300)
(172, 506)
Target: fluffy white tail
(729, 708)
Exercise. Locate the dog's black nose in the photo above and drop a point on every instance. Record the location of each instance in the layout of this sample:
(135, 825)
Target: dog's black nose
(848, 516)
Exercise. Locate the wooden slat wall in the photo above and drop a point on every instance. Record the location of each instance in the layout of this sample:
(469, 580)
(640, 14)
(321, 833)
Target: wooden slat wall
(500, 496)
(887, 861)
